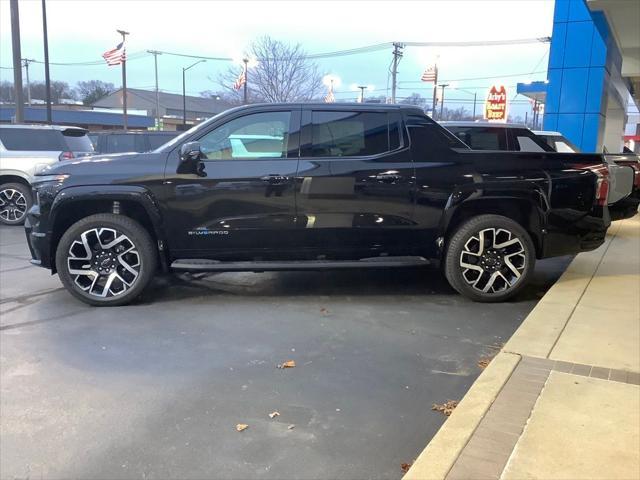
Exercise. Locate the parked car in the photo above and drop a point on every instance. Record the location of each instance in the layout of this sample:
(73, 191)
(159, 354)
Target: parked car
(624, 208)
(505, 136)
(126, 142)
(23, 150)
(339, 186)
(557, 141)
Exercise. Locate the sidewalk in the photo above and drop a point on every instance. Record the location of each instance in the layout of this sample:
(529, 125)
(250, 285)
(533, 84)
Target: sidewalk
(562, 398)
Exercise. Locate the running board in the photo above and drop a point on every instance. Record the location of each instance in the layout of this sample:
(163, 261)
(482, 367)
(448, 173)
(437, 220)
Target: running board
(204, 265)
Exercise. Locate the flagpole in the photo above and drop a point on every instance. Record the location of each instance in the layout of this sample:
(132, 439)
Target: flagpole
(124, 81)
(435, 92)
(246, 79)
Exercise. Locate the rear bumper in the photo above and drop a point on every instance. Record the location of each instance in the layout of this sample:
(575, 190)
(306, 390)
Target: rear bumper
(627, 207)
(567, 236)
(38, 241)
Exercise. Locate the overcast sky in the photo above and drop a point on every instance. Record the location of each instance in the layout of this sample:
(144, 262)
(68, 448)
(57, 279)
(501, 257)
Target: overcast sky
(82, 30)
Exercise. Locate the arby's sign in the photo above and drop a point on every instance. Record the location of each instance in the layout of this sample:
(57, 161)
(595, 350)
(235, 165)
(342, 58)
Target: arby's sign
(495, 107)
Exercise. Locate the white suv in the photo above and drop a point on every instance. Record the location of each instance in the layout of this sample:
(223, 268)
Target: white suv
(26, 149)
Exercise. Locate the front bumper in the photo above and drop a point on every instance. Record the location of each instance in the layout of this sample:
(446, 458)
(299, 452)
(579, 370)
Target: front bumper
(39, 241)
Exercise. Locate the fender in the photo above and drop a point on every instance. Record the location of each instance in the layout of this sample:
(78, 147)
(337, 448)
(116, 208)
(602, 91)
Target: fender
(129, 193)
(500, 199)
(15, 173)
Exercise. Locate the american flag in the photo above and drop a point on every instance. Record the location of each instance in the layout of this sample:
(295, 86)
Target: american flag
(430, 74)
(115, 56)
(240, 81)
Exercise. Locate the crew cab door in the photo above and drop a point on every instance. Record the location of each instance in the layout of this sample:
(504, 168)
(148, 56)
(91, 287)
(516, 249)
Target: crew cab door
(242, 204)
(354, 183)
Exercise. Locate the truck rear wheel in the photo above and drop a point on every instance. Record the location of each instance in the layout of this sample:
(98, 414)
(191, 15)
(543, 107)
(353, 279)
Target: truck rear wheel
(489, 258)
(106, 259)
(15, 202)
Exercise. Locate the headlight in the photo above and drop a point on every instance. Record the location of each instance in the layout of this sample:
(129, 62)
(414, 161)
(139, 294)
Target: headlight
(46, 187)
(38, 179)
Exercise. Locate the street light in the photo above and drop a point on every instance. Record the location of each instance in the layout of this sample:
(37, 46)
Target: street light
(184, 92)
(475, 97)
(362, 88)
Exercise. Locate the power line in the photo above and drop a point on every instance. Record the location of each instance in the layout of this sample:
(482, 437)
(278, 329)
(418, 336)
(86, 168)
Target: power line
(481, 78)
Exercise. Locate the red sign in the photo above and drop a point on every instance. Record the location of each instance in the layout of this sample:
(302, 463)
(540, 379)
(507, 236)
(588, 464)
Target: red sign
(495, 108)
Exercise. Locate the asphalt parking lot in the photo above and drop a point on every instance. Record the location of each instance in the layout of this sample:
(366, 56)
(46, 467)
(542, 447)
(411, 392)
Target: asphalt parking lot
(155, 390)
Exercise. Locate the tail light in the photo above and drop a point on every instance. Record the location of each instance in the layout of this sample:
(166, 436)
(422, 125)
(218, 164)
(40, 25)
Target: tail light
(66, 156)
(602, 181)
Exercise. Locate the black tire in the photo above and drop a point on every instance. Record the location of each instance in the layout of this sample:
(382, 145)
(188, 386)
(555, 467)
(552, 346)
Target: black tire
(15, 202)
(99, 228)
(470, 273)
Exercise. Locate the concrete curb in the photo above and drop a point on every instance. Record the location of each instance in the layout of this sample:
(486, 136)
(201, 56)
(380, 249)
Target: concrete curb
(535, 337)
(438, 457)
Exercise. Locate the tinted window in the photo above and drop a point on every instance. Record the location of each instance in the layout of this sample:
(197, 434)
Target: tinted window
(77, 141)
(527, 141)
(120, 143)
(32, 139)
(481, 138)
(351, 134)
(260, 135)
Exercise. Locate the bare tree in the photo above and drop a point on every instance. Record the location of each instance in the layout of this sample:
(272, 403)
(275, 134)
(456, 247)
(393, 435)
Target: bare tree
(93, 90)
(59, 91)
(283, 74)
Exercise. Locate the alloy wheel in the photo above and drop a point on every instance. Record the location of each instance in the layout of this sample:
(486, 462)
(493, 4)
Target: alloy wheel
(493, 260)
(13, 205)
(103, 262)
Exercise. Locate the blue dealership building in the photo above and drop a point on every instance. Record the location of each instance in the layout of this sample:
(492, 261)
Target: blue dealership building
(593, 75)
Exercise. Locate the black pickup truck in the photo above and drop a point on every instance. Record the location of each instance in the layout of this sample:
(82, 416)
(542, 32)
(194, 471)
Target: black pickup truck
(314, 186)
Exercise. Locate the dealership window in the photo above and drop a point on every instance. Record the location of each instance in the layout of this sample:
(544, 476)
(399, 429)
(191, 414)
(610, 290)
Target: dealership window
(352, 134)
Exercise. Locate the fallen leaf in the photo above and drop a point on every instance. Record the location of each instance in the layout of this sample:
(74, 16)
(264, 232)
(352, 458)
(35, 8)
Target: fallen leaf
(241, 426)
(324, 311)
(291, 427)
(274, 414)
(445, 408)
(287, 364)
(484, 362)
(405, 467)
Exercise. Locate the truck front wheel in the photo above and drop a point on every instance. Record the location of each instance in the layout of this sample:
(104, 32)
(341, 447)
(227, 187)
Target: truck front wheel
(106, 259)
(489, 258)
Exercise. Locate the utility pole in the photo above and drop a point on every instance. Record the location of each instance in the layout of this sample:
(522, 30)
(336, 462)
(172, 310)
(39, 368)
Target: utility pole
(27, 61)
(124, 80)
(362, 89)
(155, 54)
(444, 85)
(17, 65)
(475, 96)
(47, 79)
(246, 79)
(397, 55)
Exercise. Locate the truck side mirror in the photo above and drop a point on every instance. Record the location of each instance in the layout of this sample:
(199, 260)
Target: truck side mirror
(190, 159)
(190, 153)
